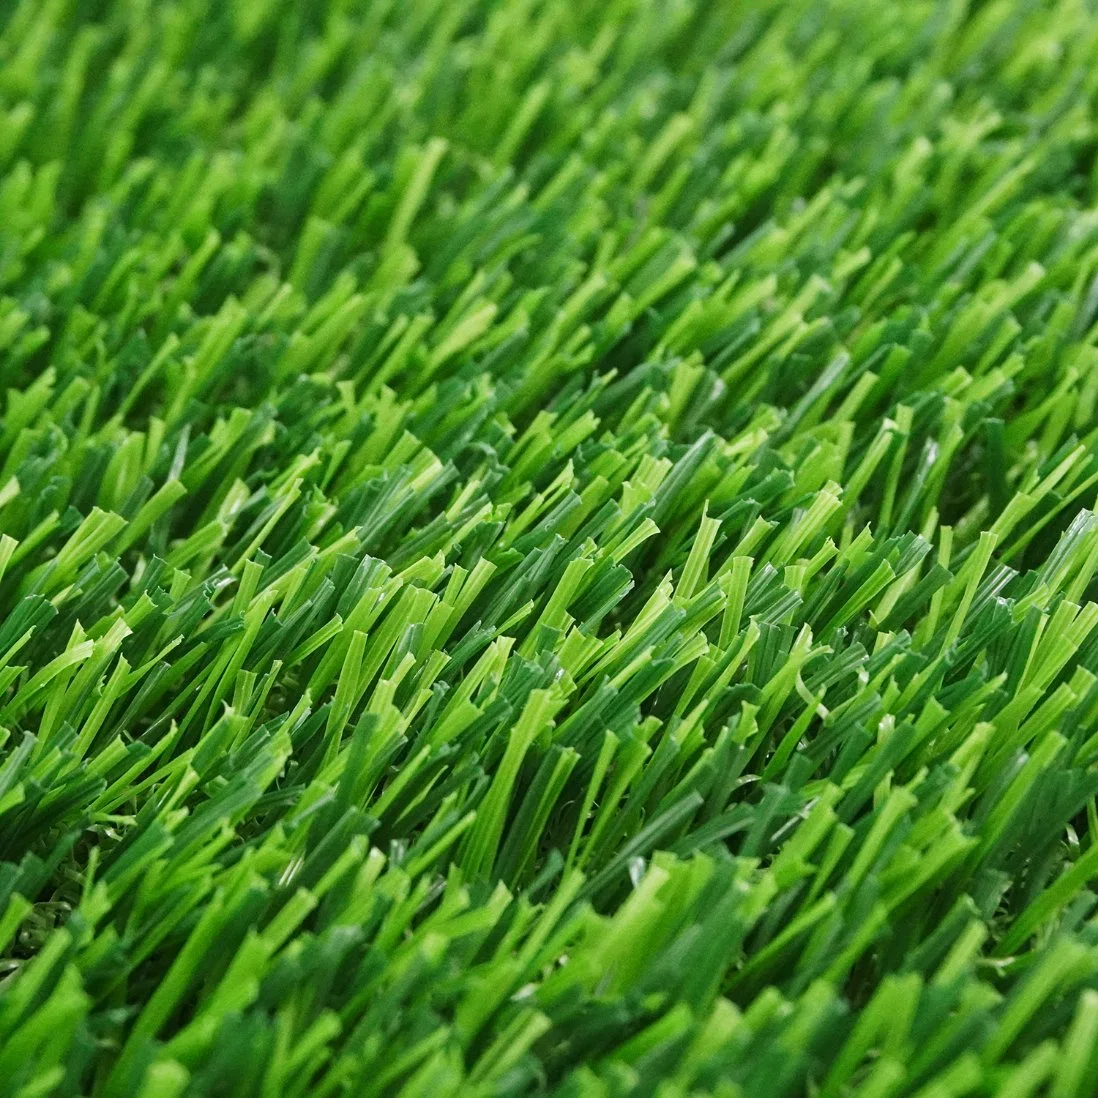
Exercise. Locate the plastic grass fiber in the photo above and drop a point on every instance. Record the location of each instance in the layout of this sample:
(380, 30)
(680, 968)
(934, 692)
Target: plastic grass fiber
(546, 547)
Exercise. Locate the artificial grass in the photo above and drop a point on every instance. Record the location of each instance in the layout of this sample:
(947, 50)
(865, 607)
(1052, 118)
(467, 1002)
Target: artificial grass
(546, 548)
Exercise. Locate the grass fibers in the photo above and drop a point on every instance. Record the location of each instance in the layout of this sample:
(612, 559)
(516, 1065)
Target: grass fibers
(548, 547)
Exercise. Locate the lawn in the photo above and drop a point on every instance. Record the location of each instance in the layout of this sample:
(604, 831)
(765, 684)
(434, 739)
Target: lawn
(546, 547)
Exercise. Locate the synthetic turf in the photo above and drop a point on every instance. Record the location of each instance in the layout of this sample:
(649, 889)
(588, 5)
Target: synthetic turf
(546, 547)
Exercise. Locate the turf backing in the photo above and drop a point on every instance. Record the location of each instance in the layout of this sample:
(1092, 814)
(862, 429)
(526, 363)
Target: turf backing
(546, 546)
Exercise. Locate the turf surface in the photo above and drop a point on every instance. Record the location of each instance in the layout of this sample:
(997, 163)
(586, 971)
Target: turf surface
(546, 548)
